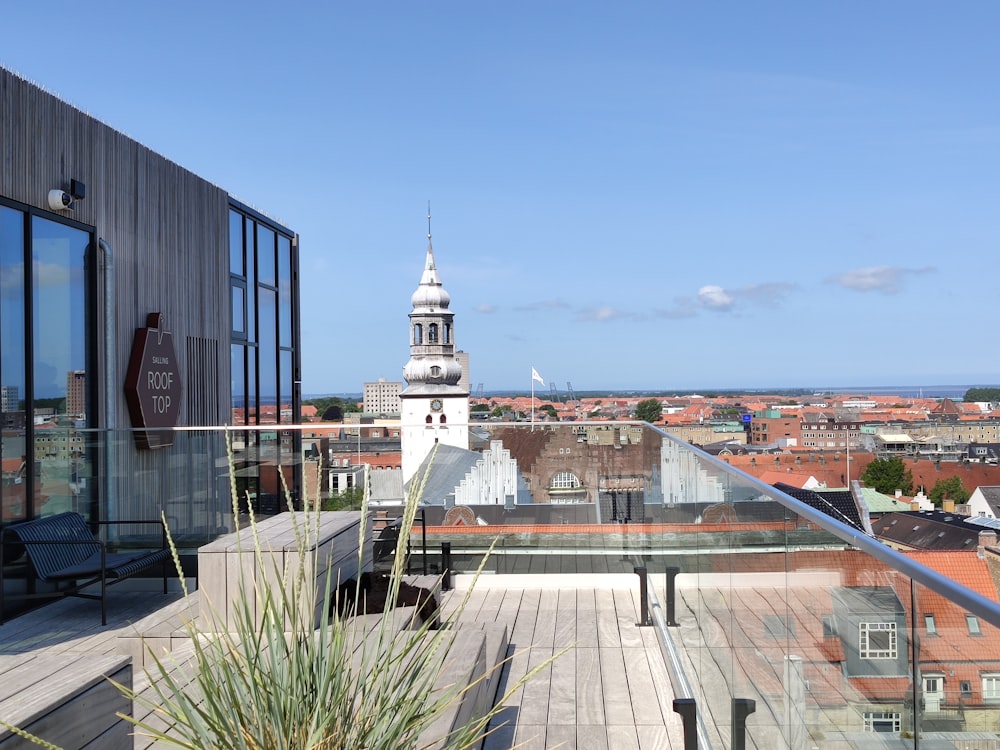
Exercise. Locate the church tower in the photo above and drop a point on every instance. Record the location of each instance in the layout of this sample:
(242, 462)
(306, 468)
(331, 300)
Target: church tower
(434, 406)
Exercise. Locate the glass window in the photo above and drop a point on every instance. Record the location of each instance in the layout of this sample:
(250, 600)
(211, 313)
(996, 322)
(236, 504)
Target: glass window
(239, 298)
(877, 640)
(236, 263)
(267, 350)
(883, 721)
(59, 310)
(285, 290)
(930, 624)
(12, 365)
(239, 383)
(973, 622)
(991, 687)
(565, 480)
(251, 281)
(285, 392)
(432, 333)
(418, 334)
(265, 256)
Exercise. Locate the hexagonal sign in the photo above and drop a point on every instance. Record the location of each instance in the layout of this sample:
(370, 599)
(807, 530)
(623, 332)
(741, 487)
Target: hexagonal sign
(153, 385)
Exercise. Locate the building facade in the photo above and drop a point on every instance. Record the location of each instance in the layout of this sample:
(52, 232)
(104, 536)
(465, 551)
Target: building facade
(100, 237)
(382, 397)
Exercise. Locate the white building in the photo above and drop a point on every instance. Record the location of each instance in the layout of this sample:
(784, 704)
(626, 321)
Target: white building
(382, 397)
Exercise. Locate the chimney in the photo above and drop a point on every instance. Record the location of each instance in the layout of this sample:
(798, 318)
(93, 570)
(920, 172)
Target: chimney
(899, 494)
(986, 539)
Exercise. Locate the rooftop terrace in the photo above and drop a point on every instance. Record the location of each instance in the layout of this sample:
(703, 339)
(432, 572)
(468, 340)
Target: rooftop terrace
(833, 639)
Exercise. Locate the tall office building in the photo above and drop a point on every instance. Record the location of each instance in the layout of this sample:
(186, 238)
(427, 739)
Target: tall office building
(76, 393)
(9, 398)
(382, 397)
(434, 404)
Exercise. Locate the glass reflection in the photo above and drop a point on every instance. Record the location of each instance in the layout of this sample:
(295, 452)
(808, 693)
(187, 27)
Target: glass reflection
(285, 290)
(59, 370)
(13, 450)
(268, 354)
(265, 255)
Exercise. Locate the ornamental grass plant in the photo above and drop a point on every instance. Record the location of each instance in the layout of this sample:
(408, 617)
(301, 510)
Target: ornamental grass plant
(274, 681)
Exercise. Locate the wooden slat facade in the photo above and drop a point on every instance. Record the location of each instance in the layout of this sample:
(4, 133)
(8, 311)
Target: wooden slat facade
(168, 230)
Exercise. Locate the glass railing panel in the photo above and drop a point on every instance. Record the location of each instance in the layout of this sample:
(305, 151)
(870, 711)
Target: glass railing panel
(790, 605)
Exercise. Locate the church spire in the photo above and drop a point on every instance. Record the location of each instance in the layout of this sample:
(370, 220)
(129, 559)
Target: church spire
(430, 267)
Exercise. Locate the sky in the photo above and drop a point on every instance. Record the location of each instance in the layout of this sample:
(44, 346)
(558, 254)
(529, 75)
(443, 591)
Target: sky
(640, 195)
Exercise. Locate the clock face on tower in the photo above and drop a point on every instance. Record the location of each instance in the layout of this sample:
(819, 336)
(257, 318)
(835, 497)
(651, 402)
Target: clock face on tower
(436, 405)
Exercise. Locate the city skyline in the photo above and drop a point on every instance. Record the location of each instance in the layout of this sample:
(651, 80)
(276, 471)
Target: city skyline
(637, 198)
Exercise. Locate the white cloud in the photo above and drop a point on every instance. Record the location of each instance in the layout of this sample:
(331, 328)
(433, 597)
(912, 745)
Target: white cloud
(881, 279)
(486, 308)
(715, 298)
(601, 314)
(546, 304)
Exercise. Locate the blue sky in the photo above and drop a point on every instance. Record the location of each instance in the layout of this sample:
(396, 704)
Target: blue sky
(647, 195)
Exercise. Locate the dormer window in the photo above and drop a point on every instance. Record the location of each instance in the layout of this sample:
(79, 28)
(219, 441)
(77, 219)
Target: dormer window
(435, 371)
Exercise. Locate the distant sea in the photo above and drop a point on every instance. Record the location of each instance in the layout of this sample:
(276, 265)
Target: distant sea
(910, 391)
(956, 392)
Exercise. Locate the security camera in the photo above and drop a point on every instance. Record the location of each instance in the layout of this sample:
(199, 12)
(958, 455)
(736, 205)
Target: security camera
(60, 200)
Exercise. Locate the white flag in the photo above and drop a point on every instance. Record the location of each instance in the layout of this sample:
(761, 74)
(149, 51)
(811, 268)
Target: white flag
(536, 376)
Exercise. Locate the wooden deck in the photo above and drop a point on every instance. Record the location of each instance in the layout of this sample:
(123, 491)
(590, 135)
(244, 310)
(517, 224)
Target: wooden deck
(609, 690)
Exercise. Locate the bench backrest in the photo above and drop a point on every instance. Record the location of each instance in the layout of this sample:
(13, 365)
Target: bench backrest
(63, 528)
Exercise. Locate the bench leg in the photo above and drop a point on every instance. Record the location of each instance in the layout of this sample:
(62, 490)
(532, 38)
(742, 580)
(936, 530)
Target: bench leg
(104, 586)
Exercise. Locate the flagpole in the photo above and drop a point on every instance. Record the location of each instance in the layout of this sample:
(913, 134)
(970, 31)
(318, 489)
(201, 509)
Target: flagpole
(532, 399)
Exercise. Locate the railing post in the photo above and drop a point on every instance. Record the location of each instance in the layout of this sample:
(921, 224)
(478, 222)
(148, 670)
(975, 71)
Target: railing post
(446, 566)
(671, 596)
(742, 708)
(688, 710)
(423, 539)
(644, 620)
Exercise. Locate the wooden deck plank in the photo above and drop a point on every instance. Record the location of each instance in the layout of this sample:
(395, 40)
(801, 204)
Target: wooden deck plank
(607, 619)
(614, 684)
(536, 693)
(560, 737)
(566, 620)
(623, 737)
(592, 738)
(589, 687)
(524, 626)
(645, 700)
(586, 618)
(627, 610)
(562, 690)
(545, 619)
(530, 737)
(655, 738)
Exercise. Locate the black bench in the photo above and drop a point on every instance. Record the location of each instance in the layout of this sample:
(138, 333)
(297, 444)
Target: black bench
(62, 549)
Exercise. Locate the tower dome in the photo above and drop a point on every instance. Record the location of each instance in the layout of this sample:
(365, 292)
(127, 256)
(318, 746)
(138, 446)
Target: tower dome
(432, 345)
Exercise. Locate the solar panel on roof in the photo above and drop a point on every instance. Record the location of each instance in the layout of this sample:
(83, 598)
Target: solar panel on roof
(991, 523)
